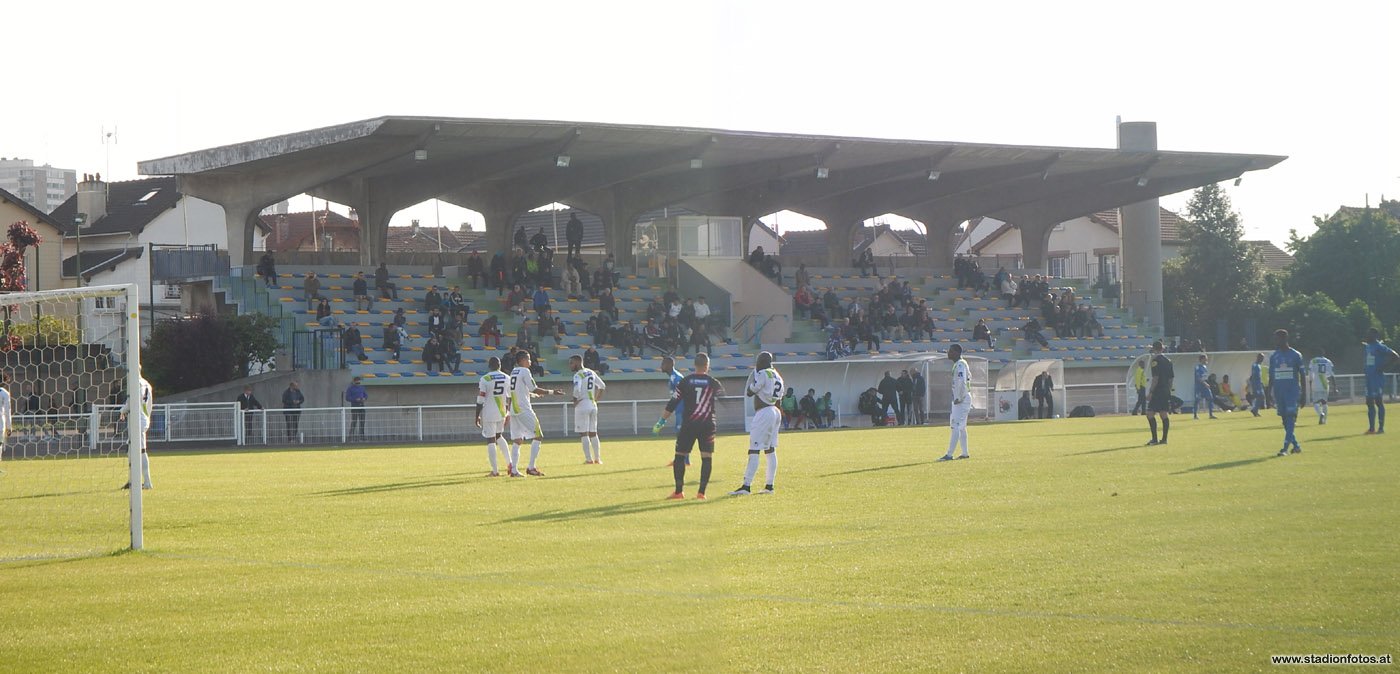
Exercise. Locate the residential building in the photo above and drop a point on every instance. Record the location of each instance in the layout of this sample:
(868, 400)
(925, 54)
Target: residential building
(44, 187)
(41, 262)
(1085, 247)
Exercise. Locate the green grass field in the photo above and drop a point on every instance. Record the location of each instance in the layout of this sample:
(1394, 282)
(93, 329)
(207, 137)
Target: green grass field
(1063, 545)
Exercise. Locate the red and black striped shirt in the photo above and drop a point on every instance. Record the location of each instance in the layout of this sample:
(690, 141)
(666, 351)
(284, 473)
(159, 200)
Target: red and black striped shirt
(698, 392)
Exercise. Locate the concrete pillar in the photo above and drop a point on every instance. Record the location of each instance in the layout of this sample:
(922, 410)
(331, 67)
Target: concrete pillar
(1140, 236)
(238, 218)
(939, 246)
(1035, 243)
(500, 225)
(838, 240)
(620, 227)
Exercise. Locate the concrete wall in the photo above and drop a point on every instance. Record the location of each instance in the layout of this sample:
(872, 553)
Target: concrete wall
(750, 293)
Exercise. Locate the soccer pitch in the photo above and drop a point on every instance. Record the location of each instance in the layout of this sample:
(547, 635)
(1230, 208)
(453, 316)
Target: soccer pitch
(1062, 545)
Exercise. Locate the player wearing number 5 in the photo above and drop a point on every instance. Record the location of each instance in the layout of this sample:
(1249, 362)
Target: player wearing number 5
(524, 425)
(493, 410)
(766, 387)
(587, 386)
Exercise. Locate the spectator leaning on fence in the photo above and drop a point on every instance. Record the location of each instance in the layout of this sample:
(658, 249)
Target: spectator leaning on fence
(292, 400)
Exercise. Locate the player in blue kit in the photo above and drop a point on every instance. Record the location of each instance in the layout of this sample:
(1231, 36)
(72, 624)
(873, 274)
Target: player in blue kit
(1256, 384)
(1203, 389)
(1286, 373)
(1378, 355)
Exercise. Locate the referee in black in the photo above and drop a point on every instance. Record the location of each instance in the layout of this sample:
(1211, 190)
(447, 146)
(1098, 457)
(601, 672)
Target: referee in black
(1159, 400)
(699, 391)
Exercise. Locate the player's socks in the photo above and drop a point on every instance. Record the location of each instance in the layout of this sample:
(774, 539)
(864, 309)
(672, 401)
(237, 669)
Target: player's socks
(515, 458)
(678, 470)
(706, 465)
(952, 441)
(534, 452)
(751, 469)
(491, 454)
(1151, 423)
(1380, 415)
(1371, 413)
(597, 448)
(772, 471)
(962, 437)
(1166, 428)
(1288, 421)
(146, 472)
(587, 448)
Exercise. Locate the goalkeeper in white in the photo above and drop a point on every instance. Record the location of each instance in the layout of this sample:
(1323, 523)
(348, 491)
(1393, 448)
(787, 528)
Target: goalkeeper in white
(587, 386)
(766, 387)
(962, 403)
(1320, 383)
(144, 420)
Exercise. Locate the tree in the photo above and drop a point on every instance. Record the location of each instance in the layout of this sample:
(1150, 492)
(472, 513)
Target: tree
(1353, 255)
(1361, 318)
(1314, 321)
(190, 353)
(13, 276)
(1219, 272)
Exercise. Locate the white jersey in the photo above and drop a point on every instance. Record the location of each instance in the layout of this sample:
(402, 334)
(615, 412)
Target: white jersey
(587, 384)
(766, 385)
(1319, 377)
(962, 383)
(145, 405)
(492, 394)
(522, 382)
(5, 419)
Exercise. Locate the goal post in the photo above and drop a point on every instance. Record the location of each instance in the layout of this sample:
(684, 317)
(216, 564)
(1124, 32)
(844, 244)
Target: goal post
(71, 359)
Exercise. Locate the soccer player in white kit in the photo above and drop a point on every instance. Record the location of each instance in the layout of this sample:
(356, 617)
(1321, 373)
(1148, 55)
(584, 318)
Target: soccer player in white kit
(1320, 383)
(524, 425)
(5, 411)
(144, 420)
(587, 386)
(766, 387)
(962, 403)
(493, 410)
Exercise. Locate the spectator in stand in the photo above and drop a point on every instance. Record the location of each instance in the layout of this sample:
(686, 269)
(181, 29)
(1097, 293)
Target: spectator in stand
(323, 313)
(1078, 322)
(498, 271)
(891, 324)
(904, 386)
(807, 409)
(1092, 326)
(573, 234)
(490, 331)
(1008, 288)
(387, 289)
(803, 278)
(831, 304)
(519, 240)
(699, 338)
(570, 279)
(869, 334)
(802, 302)
(756, 258)
(432, 354)
(476, 271)
(594, 361)
(524, 341)
(612, 275)
(788, 406)
(981, 332)
(432, 300)
(450, 355)
(515, 300)
(866, 260)
(1031, 332)
(920, 386)
(539, 241)
(353, 344)
(311, 290)
(541, 302)
(628, 339)
(267, 269)
(361, 290)
(391, 340)
(889, 395)
(702, 314)
(911, 325)
(549, 327)
(435, 322)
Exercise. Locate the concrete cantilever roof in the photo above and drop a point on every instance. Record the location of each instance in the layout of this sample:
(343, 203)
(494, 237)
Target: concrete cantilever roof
(505, 167)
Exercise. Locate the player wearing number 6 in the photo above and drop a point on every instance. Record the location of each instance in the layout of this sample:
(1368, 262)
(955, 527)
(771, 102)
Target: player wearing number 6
(524, 425)
(587, 386)
(766, 387)
(492, 411)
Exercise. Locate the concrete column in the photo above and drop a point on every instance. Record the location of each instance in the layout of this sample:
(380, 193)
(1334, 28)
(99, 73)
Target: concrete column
(838, 241)
(939, 245)
(1035, 243)
(238, 218)
(500, 225)
(1140, 236)
(621, 230)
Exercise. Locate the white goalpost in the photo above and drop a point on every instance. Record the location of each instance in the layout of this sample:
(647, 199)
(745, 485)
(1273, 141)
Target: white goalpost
(70, 359)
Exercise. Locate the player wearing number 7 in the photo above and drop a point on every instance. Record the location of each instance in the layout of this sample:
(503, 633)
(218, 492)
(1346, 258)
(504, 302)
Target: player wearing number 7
(524, 425)
(766, 387)
(493, 398)
(700, 391)
(587, 386)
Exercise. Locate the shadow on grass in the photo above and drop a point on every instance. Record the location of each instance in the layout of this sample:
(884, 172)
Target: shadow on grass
(1105, 451)
(613, 510)
(444, 481)
(604, 473)
(1224, 465)
(1126, 431)
(60, 493)
(876, 469)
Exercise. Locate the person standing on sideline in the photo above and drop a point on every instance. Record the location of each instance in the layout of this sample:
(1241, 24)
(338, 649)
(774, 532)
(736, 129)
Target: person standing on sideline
(702, 392)
(356, 395)
(292, 400)
(1203, 389)
(904, 387)
(143, 410)
(587, 386)
(1140, 385)
(524, 425)
(1377, 356)
(1256, 384)
(247, 403)
(765, 386)
(918, 413)
(1320, 383)
(889, 396)
(492, 398)
(1043, 390)
(962, 403)
(1286, 376)
(1159, 399)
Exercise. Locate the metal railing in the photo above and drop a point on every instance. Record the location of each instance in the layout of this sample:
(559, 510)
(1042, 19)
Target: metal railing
(1350, 388)
(317, 350)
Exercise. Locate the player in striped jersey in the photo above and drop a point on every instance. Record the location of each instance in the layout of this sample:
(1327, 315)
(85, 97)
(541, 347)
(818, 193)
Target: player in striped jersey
(1320, 383)
(524, 425)
(492, 398)
(587, 386)
(766, 387)
(699, 391)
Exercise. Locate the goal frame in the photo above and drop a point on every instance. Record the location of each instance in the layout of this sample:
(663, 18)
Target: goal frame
(136, 440)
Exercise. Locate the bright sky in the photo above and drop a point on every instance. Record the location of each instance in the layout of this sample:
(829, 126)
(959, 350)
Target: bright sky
(1316, 82)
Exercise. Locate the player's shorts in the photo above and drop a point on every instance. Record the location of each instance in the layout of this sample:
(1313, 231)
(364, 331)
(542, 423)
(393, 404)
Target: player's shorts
(696, 431)
(1286, 400)
(491, 429)
(1159, 401)
(957, 414)
(585, 419)
(525, 426)
(763, 428)
(1375, 385)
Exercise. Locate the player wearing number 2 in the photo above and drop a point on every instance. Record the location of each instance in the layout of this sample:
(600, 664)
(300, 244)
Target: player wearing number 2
(524, 425)
(766, 387)
(492, 410)
(587, 386)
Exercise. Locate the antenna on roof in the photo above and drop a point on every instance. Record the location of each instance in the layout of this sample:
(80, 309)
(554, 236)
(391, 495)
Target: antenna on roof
(109, 138)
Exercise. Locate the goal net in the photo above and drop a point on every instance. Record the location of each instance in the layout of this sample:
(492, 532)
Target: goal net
(69, 358)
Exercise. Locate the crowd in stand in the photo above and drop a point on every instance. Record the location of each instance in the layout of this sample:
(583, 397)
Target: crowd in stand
(891, 312)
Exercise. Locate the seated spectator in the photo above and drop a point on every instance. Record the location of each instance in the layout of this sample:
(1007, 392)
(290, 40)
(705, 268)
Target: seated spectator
(267, 269)
(656, 310)
(654, 337)
(432, 300)
(869, 403)
(549, 327)
(826, 410)
(627, 339)
(601, 280)
(476, 271)
(1024, 408)
(515, 300)
(490, 332)
(392, 343)
(1031, 331)
(866, 260)
(911, 325)
(756, 258)
(788, 406)
(703, 313)
(352, 343)
(1008, 288)
(570, 279)
(432, 354)
(594, 361)
(981, 332)
(386, 289)
(803, 279)
(311, 290)
(613, 275)
(836, 347)
(361, 290)
(807, 409)
(802, 302)
(541, 302)
(400, 318)
(699, 338)
(435, 322)
(323, 313)
(456, 304)
(831, 304)
(449, 356)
